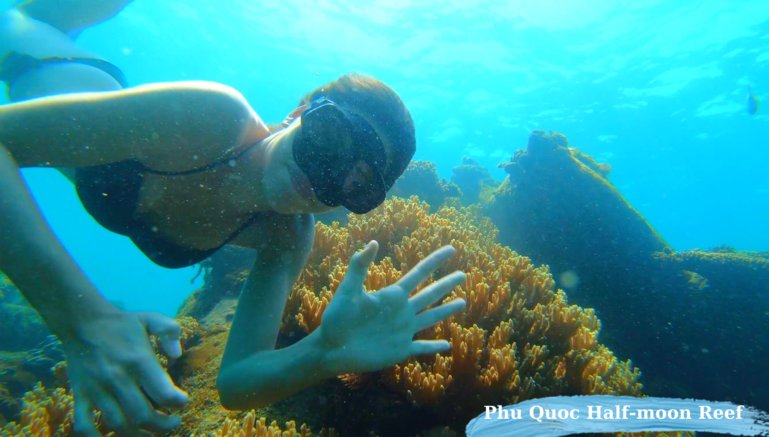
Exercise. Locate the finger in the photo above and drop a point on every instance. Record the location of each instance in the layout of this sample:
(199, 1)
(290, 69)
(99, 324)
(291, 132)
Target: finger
(84, 425)
(141, 413)
(159, 386)
(436, 291)
(392, 299)
(422, 347)
(421, 271)
(432, 316)
(167, 331)
(358, 269)
(112, 413)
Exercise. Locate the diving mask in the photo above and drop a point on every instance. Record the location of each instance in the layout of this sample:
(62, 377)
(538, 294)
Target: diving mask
(342, 156)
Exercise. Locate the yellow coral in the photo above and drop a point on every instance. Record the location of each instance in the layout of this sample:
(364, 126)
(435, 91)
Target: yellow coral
(251, 427)
(518, 337)
(44, 414)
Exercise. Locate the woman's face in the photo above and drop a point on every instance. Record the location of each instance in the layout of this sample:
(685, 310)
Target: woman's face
(342, 155)
(353, 179)
(286, 188)
(357, 185)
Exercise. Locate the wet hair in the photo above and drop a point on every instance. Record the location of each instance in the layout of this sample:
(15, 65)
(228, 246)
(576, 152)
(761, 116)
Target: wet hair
(379, 105)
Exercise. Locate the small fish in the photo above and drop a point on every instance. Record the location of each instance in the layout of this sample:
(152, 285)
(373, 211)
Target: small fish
(753, 103)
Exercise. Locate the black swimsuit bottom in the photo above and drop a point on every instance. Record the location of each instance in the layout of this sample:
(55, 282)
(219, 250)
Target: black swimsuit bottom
(110, 193)
(15, 65)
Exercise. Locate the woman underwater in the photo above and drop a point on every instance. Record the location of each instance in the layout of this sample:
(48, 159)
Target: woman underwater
(183, 169)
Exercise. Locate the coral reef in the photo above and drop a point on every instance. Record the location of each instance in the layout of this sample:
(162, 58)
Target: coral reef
(40, 360)
(717, 316)
(224, 272)
(557, 207)
(250, 426)
(685, 318)
(20, 371)
(517, 339)
(421, 179)
(21, 328)
(4, 284)
(44, 413)
(475, 181)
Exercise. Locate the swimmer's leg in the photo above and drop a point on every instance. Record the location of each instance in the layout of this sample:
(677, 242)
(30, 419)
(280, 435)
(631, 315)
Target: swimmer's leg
(61, 78)
(72, 16)
(38, 40)
(46, 28)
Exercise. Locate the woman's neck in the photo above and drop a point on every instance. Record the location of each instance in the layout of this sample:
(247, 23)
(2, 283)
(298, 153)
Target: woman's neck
(242, 188)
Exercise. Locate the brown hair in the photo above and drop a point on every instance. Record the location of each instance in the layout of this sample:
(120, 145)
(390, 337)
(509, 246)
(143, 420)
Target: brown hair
(379, 105)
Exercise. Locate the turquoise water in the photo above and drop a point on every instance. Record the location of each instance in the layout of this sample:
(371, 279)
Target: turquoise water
(656, 89)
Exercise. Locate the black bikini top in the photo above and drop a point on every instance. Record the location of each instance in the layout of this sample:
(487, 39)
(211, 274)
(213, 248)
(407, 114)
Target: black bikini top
(110, 193)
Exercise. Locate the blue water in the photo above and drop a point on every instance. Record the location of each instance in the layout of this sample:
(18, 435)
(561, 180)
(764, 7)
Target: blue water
(658, 89)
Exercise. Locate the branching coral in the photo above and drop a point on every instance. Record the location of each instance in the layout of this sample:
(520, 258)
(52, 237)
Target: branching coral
(517, 339)
(251, 427)
(43, 414)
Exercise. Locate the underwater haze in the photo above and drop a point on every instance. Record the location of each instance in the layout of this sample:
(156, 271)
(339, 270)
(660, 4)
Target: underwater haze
(657, 89)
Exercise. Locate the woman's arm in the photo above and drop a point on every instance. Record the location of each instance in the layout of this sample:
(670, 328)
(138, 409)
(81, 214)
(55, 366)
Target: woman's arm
(38, 264)
(111, 364)
(168, 126)
(359, 332)
(252, 372)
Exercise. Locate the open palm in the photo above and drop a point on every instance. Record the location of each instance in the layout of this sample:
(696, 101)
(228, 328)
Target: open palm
(369, 331)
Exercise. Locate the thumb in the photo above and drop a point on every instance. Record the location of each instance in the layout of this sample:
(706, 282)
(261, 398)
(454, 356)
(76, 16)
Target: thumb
(166, 330)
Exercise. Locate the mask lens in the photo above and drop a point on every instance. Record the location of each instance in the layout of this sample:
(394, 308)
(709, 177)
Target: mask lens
(329, 149)
(363, 191)
(322, 146)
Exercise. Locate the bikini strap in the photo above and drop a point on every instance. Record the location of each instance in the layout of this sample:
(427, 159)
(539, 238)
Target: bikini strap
(227, 160)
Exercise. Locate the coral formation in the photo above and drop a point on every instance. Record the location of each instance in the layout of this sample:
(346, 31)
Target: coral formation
(20, 371)
(421, 179)
(4, 283)
(44, 413)
(716, 314)
(251, 427)
(224, 272)
(517, 339)
(707, 308)
(21, 328)
(474, 180)
(557, 207)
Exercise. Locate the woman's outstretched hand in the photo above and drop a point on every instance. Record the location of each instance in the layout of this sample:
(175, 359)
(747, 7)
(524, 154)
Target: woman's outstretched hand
(364, 332)
(112, 367)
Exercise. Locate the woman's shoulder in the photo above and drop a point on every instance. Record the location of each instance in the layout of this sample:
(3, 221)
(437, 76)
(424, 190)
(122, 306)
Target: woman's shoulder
(204, 118)
(181, 92)
(212, 102)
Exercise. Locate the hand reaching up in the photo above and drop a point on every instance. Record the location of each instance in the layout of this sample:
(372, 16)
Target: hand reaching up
(364, 332)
